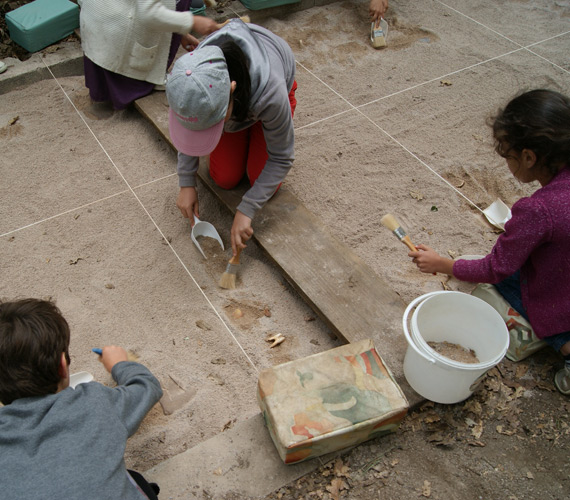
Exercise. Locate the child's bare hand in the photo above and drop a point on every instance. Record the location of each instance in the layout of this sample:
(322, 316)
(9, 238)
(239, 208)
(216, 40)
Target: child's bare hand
(377, 9)
(204, 25)
(112, 355)
(189, 42)
(429, 261)
(241, 231)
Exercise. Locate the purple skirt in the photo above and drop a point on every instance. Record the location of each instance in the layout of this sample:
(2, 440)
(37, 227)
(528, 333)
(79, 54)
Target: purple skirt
(106, 86)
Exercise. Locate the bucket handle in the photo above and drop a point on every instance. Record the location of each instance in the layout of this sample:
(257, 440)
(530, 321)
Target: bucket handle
(411, 342)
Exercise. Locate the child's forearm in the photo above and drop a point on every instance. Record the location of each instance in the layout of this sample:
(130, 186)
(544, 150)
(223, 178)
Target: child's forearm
(445, 266)
(429, 261)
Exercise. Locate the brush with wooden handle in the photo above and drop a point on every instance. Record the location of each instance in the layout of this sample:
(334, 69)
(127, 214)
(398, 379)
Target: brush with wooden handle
(130, 354)
(228, 279)
(245, 19)
(391, 223)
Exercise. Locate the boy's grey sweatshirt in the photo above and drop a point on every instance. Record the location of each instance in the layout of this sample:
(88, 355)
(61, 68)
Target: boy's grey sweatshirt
(71, 444)
(272, 72)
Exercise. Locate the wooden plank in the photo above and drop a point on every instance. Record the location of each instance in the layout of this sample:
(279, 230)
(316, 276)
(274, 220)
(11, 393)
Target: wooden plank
(339, 286)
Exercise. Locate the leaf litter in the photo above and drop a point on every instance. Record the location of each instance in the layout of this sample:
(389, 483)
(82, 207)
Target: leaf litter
(496, 408)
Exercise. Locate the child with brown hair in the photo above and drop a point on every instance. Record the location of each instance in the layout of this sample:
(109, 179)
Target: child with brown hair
(57, 441)
(529, 264)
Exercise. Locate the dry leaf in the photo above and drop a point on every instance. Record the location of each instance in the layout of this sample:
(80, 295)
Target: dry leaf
(426, 489)
(477, 430)
(340, 469)
(267, 312)
(445, 83)
(203, 325)
(431, 417)
(110, 286)
(473, 406)
(530, 475)
(416, 195)
(480, 444)
(335, 488)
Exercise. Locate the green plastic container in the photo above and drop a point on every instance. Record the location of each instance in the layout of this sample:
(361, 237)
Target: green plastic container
(198, 11)
(38, 24)
(265, 4)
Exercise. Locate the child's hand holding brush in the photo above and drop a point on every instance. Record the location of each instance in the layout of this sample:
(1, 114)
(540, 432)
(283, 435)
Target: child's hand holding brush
(110, 355)
(429, 261)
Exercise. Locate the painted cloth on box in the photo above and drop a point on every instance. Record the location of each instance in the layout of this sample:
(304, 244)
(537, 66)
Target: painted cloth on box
(536, 241)
(130, 38)
(72, 443)
(329, 401)
(272, 72)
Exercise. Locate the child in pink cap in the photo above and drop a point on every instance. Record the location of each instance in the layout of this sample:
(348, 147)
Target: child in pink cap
(233, 98)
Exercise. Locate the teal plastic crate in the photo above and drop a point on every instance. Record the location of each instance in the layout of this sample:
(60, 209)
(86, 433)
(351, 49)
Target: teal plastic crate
(38, 24)
(265, 4)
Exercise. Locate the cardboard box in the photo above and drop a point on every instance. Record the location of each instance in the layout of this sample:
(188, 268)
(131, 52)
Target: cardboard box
(38, 24)
(329, 401)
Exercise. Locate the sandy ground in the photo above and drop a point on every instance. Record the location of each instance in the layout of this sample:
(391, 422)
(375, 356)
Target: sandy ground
(89, 219)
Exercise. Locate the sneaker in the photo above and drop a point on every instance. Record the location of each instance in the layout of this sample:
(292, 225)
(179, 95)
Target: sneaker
(562, 380)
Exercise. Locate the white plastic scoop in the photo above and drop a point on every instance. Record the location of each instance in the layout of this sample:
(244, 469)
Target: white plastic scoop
(79, 378)
(498, 214)
(202, 228)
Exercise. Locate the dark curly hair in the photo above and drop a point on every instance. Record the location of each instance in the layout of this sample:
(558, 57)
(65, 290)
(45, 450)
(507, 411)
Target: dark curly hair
(33, 335)
(538, 120)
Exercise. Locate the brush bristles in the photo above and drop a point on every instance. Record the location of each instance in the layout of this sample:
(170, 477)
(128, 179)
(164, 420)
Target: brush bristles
(390, 222)
(228, 281)
(131, 356)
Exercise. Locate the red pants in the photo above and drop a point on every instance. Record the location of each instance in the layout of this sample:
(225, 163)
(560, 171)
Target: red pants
(241, 152)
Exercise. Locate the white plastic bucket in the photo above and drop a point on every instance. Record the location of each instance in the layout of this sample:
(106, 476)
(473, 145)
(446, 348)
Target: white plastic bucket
(458, 318)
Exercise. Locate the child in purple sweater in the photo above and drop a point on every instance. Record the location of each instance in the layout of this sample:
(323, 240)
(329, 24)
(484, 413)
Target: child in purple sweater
(530, 263)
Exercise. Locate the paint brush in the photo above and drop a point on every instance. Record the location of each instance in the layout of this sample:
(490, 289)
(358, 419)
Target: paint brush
(130, 354)
(391, 223)
(228, 279)
(245, 19)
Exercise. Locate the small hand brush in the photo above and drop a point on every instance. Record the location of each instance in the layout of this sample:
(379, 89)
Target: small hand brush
(130, 355)
(245, 19)
(391, 223)
(228, 279)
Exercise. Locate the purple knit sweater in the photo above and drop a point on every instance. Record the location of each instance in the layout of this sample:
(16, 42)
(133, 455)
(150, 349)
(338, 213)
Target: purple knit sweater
(536, 241)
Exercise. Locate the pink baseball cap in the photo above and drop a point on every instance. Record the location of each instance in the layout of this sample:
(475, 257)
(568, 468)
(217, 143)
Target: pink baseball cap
(198, 93)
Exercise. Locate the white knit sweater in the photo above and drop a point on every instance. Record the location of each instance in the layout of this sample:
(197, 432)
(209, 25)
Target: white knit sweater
(131, 37)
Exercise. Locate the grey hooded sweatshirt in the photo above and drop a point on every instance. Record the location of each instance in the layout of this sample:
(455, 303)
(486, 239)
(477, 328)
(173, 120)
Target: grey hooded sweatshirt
(272, 73)
(71, 444)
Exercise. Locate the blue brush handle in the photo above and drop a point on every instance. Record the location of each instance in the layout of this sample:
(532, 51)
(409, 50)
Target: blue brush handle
(97, 350)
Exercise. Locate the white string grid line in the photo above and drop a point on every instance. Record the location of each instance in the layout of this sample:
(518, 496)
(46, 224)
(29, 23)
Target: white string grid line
(131, 190)
(447, 75)
(352, 108)
(527, 47)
